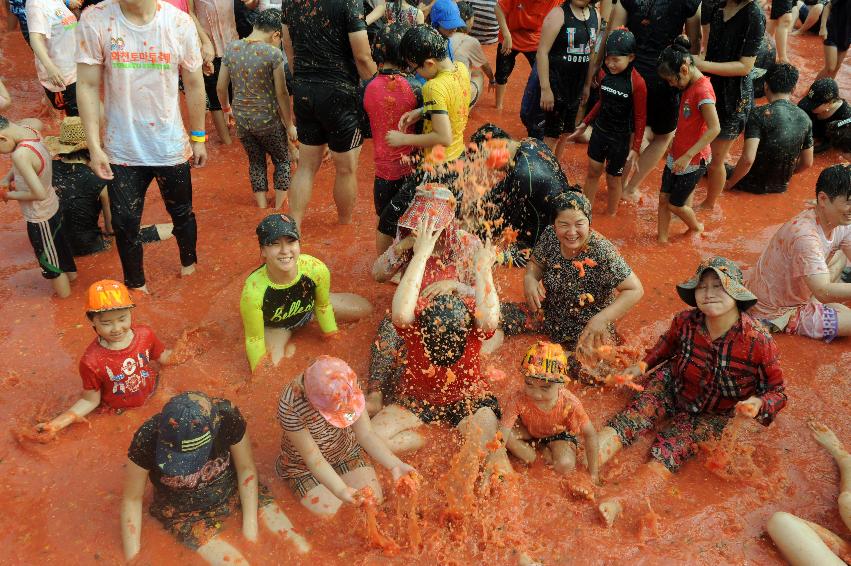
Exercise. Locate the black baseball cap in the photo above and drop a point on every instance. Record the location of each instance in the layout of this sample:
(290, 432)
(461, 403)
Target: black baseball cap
(620, 42)
(276, 226)
(188, 425)
(823, 91)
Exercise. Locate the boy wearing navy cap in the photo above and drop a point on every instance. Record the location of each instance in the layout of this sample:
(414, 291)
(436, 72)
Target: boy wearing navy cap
(197, 454)
(619, 118)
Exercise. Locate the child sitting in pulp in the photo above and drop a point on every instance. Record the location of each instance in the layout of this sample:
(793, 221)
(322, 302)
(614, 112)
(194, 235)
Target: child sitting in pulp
(325, 427)
(32, 175)
(547, 415)
(116, 367)
(714, 362)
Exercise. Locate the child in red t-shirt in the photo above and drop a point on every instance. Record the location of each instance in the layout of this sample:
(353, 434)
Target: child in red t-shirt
(387, 98)
(443, 337)
(545, 414)
(116, 367)
(697, 126)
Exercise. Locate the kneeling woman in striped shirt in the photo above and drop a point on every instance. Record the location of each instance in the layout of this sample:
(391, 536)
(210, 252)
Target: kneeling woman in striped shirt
(325, 427)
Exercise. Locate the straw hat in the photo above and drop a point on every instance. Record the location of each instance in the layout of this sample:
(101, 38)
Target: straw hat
(72, 137)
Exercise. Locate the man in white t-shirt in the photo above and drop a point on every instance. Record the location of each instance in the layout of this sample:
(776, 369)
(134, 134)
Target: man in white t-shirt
(51, 28)
(798, 276)
(139, 47)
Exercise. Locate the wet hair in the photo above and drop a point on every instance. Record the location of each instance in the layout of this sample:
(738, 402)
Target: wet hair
(423, 42)
(571, 200)
(835, 181)
(674, 56)
(444, 326)
(496, 133)
(268, 20)
(79, 155)
(388, 42)
(781, 78)
(465, 9)
(4, 122)
(839, 134)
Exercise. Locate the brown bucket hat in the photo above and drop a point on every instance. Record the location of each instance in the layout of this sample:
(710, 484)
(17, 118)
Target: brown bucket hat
(731, 279)
(71, 138)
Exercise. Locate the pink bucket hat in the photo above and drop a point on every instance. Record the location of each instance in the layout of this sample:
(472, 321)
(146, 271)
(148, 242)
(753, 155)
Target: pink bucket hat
(431, 201)
(332, 388)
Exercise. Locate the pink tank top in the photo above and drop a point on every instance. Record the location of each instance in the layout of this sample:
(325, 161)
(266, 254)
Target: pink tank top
(182, 5)
(36, 211)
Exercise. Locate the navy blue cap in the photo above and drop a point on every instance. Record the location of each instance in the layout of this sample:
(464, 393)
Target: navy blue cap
(620, 42)
(276, 226)
(188, 425)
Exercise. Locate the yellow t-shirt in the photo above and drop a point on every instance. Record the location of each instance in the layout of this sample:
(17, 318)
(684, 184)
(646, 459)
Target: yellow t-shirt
(449, 93)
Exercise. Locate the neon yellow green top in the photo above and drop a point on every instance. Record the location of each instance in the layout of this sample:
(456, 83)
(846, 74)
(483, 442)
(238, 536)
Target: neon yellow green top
(289, 306)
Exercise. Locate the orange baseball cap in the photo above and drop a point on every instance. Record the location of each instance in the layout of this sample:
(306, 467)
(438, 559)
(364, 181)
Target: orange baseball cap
(332, 388)
(546, 361)
(108, 295)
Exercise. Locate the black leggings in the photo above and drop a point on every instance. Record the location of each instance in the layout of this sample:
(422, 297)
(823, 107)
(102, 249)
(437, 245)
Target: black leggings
(505, 63)
(210, 82)
(126, 200)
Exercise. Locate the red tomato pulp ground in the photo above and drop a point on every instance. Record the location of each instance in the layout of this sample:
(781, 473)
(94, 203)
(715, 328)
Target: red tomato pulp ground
(61, 500)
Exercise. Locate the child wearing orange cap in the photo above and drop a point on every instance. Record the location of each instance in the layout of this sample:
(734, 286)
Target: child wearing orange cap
(116, 367)
(325, 427)
(545, 414)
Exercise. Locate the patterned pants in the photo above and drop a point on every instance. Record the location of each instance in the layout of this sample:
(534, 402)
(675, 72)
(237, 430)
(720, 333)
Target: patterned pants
(274, 143)
(386, 360)
(676, 442)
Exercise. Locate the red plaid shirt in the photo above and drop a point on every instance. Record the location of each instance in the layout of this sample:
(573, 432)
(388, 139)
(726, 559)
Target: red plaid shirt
(711, 376)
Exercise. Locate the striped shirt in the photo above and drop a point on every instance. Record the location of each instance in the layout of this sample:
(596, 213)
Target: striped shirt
(485, 26)
(295, 413)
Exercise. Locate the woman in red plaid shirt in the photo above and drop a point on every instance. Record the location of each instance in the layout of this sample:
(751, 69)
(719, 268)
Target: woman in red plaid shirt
(715, 362)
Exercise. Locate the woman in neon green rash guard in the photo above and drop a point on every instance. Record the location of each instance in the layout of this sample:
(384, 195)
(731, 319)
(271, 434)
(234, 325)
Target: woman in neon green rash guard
(287, 291)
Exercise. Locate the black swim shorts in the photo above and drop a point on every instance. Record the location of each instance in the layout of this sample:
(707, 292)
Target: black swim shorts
(326, 114)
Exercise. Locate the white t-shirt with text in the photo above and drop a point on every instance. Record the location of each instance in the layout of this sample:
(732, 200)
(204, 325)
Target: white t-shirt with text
(53, 20)
(140, 74)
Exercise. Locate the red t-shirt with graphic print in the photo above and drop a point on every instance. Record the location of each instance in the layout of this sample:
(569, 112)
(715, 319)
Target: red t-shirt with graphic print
(124, 377)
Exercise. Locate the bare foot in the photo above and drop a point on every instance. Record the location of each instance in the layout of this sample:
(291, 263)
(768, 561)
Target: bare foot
(497, 468)
(187, 270)
(143, 289)
(662, 239)
(579, 485)
(706, 205)
(164, 231)
(610, 510)
(525, 560)
(697, 232)
(826, 437)
(631, 196)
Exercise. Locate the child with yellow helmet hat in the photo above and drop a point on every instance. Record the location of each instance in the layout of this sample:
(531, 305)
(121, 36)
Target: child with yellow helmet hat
(116, 367)
(546, 414)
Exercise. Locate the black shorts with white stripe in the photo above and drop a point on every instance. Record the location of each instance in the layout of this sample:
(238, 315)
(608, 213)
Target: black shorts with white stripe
(326, 114)
(51, 247)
